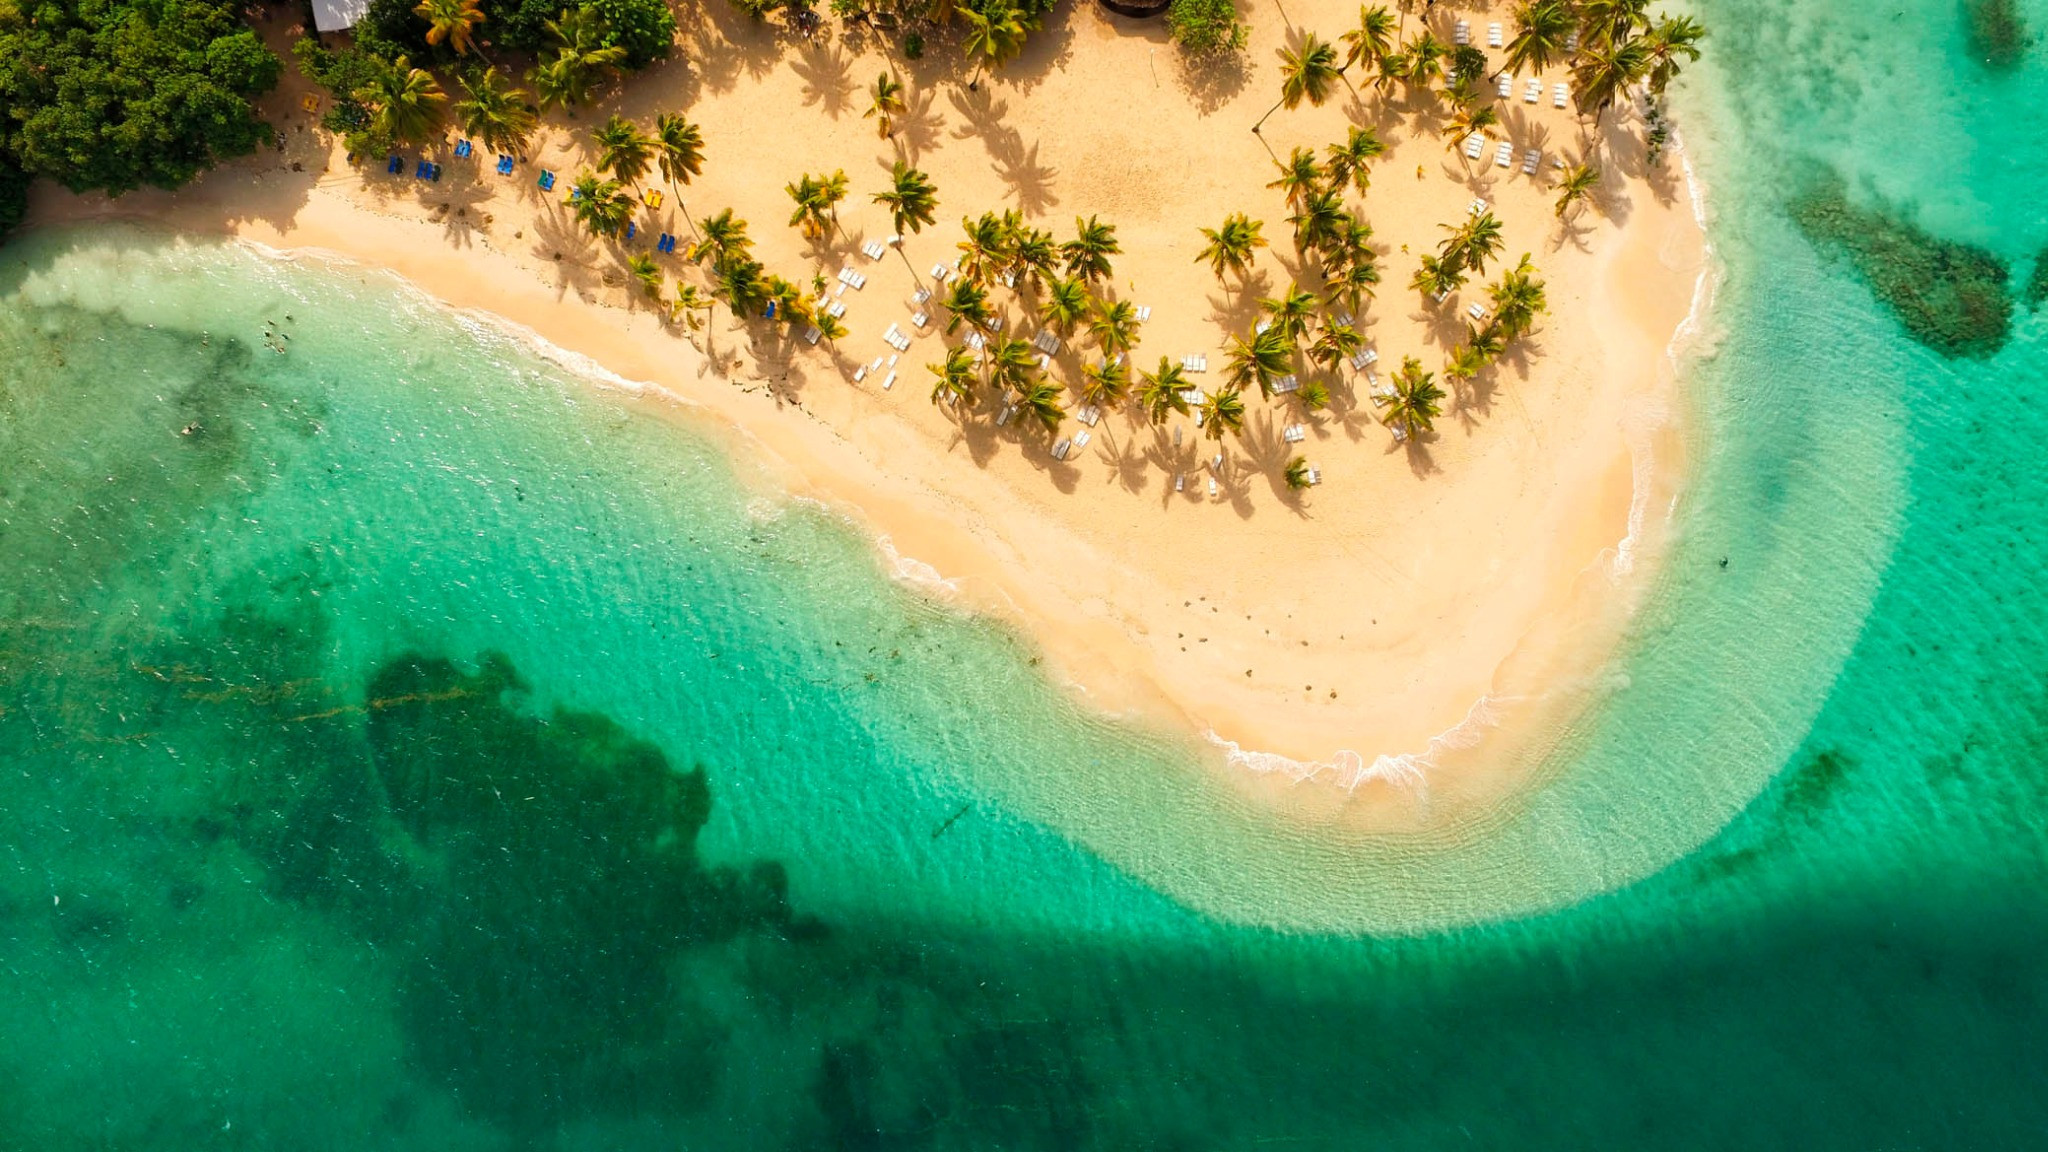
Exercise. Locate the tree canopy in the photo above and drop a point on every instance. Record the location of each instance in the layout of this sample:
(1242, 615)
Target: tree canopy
(125, 94)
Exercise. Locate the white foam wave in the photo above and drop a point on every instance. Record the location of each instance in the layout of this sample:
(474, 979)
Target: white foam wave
(913, 571)
(1349, 769)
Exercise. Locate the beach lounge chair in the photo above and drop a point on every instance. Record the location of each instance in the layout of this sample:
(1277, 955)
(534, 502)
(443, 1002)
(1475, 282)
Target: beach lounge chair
(1400, 433)
(1294, 433)
(1476, 207)
(1315, 475)
(463, 149)
(394, 165)
(423, 169)
(1089, 415)
(1176, 435)
(1365, 358)
(1061, 447)
(1474, 145)
(666, 244)
(920, 319)
(1081, 439)
(1493, 35)
(1505, 154)
(1287, 383)
(921, 295)
(770, 312)
(1193, 396)
(975, 341)
(1504, 87)
(873, 249)
(860, 373)
(1180, 479)
(836, 309)
(876, 366)
(310, 103)
(1476, 311)
(1558, 92)
(812, 334)
(1008, 413)
(1259, 329)
(940, 272)
(505, 165)
(895, 240)
(632, 229)
(888, 381)
(652, 198)
(1212, 487)
(546, 181)
(1046, 342)
(1571, 41)
(1216, 463)
(1201, 364)
(1144, 313)
(1343, 317)
(1461, 33)
(1533, 92)
(1531, 157)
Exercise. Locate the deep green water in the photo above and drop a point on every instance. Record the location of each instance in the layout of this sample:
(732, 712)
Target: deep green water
(406, 744)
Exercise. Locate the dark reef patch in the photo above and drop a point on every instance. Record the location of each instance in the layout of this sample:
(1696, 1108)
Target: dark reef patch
(1998, 33)
(1952, 297)
(2036, 290)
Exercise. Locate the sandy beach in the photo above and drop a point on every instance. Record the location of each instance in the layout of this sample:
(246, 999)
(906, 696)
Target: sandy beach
(1335, 630)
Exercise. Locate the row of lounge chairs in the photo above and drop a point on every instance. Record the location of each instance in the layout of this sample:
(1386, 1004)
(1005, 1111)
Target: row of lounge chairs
(1503, 154)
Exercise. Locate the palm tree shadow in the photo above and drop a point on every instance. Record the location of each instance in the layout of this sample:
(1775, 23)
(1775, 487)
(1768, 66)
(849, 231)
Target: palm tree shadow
(1212, 81)
(917, 129)
(1126, 458)
(1018, 166)
(1237, 312)
(827, 75)
(1416, 448)
(1173, 459)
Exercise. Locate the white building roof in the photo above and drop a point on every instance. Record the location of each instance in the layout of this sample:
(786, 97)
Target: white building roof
(335, 15)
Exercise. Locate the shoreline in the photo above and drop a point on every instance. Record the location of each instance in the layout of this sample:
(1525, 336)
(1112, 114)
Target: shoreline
(1084, 572)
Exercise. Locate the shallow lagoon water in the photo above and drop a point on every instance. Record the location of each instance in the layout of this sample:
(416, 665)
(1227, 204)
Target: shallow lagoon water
(407, 744)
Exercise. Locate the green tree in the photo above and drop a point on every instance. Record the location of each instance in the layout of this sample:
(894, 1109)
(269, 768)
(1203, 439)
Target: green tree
(966, 301)
(648, 273)
(1575, 186)
(1087, 254)
(1472, 242)
(911, 198)
(1307, 72)
(1159, 393)
(688, 302)
(581, 59)
(1291, 312)
(643, 30)
(623, 149)
(1437, 278)
(994, 35)
(1261, 360)
(405, 103)
(1205, 27)
(1299, 176)
(600, 205)
(1518, 298)
(451, 21)
(1604, 71)
(953, 380)
(1335, 343)
(1065, 304)
(1425, 58)
(1040, 400)
(494, 112)
(1352, 160)
(1231, 246)
(724, 239)
(1105, 383)
(986, 248)
(1115, 327)
(1413, 405)
(885, 103)
(1542, 29)
(817, 202)
(1466, 121)
(1297, 474)
(1321, 221)
(1223, 411)
(1670, 41)
(1370, 42)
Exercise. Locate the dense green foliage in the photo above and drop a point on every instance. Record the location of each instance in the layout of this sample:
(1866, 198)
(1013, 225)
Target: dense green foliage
(13, 195)
(123, 94)
(1204, 26)
(644, 28)
(344, 74)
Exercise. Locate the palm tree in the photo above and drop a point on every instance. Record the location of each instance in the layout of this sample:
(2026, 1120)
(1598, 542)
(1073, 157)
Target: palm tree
(678, 148)
(1370, 42)
(1290, 313)
(1115, 327)
(1472, 243)
(817, 202)
(1040, 400)
(405, 103)
(648, 273)
(1437, 279)
(1603, 23)
(1465, 363)
(1261, 360)
(1159, 393)
(1012, 363)
(1297, 473)
(454, 21)
(993, 35)
(986, 246)
(1306, 73)
(1352, 160)
(830, 328)
(580, 60)
(1034, 254)
(1299, 176)
(1231, 246)
(1321, 221)
(1065, 304)
(724, 239)
(967, 301)
(1223, 411)
(1425, 56)
(885, 103)
(599, 204)
(688, 302)
(1575, 187)
(1605, 70)
(1518, 299)
(1334, 344)
(1087, 254)
(1105, 384)
(623, 149)
(1393, 67)
(953, 381)
(1467, 121)
(1412, 407)
(911, 198)
(496, 113)
(1542, 28)
(1671, 38)
(1355, 281)
(740, 282)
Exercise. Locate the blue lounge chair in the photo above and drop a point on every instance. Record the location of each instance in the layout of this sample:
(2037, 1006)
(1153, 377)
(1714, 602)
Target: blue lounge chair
(504, 165)
(547, 181)
(770, 313)
(394, 165)
(667, 243)
(463, 149)
(424, 170)
(632, 229)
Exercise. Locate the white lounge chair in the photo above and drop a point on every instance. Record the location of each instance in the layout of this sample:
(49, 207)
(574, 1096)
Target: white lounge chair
(1047, 342)
(1315, 475)
(1474, 145)
(1493, 35)
(1476, 207)
(921, 295)
(1212, 487)
(836, 309)
(1180, 481)
(1061, 447)
(889, 382)
(1505, 154)
(874, 249)
(1287, 383)
(1089, 415)
(860, 374)
(1461, 33)
(1531, 157)
(1144, 313)
(1533, 92)
(1504, 87)
(1476, 311)
(1294, 433)
(920, 319)
(1081, 439)
(1558, 93)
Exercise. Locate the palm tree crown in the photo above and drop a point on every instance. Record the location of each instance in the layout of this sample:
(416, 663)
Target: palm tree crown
(1413, 406)
(1352, 160)
(623, 149)
(405, 103)
(678, 148)
(885, 103)
(911, 198)
(454, 21)
(1087, 254)
(1542, 28)
(1231, 246)
(495, 112)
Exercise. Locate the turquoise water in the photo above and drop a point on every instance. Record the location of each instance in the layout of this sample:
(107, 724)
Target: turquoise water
(408, 744)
